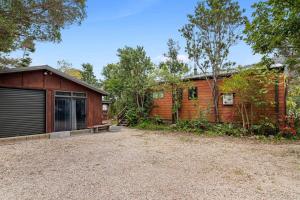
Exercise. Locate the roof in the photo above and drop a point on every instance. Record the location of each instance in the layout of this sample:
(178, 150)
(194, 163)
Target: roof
(55, 71)
(226, 73)
(209, 76)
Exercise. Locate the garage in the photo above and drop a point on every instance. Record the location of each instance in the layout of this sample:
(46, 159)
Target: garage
(22, 112)
(41, 99)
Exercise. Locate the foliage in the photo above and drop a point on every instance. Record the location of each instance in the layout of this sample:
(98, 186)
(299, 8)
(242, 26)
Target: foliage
(210, 33)
(275, 28)
(129, 81)
(24, 22)
(263, 130)
(87, 74)
(170, 74)
(132, 117)
(250, 86)
(150, 125)
(288, 126)
(264, 127)
(68, 68)
(197, 126)
(293, 101)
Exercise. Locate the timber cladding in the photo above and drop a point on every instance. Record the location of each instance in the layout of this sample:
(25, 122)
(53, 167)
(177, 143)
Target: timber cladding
(203, 104)
(51, 82)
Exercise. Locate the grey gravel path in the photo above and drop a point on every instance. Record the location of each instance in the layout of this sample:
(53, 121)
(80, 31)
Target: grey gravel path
(133, 164)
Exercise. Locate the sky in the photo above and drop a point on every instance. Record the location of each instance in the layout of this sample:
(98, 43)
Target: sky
(113, 24)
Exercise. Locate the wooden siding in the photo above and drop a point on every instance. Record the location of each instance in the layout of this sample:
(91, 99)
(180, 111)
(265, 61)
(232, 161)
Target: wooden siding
(191, 109)
(50, 83)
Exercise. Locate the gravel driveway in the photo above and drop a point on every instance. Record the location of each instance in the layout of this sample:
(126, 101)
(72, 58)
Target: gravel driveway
(134, 164)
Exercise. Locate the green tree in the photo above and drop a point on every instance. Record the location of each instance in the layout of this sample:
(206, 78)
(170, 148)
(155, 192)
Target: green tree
(250, 87)
(22, 22)
(275, 30)
(212, 30)
(68, 68)
(87, 74)
(129, 81)
(171, 73)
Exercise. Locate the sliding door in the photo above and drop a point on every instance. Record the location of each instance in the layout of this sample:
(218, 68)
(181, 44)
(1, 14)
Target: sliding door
(63, 113)
(70, 111)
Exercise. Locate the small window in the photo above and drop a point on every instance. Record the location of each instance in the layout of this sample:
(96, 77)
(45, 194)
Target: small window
(228, 99)
(193, 93)
(79, 94)
(105, 107)
(63, 93)
(158, 95)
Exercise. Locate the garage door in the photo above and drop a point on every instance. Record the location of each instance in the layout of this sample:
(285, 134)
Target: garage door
(22, 112)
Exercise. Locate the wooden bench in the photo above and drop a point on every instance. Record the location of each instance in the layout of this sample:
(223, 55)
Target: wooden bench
(98, 128)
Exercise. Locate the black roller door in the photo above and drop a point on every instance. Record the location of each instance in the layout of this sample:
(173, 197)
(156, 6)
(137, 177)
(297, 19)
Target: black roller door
(22, 112)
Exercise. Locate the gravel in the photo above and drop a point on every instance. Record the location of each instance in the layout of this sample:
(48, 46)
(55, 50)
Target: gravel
(133, 164)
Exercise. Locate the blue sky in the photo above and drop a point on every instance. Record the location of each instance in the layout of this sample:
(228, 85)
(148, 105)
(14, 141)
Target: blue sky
(112, 24)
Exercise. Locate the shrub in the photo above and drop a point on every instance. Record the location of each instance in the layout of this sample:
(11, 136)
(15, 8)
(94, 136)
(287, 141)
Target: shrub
(228, 129)
(148, 124)
(192, 125)
(288, 126)
(132, 117)
(264, 127)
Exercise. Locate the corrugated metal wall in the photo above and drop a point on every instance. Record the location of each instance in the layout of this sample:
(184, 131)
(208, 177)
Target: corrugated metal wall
(22, 112)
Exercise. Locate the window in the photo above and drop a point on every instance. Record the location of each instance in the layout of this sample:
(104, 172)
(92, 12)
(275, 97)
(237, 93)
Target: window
(193, 93)
(105, 107)
(228, 99)
(70, 94)
(79, 94)
(63, 93)
(158, 94)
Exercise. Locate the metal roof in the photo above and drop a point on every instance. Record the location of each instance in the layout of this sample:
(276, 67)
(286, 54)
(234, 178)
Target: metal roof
(55, 71)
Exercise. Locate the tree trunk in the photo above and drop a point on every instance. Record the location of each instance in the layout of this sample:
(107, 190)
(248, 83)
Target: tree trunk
(173, 113)
(216, 99)
(247, 117)
(242, 114)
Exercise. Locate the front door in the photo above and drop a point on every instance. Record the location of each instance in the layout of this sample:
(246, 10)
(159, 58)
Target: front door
(70, 111)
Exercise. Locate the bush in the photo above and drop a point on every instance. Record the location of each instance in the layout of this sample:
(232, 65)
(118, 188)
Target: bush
(192, 125)
(228, 129)
(132, 117)
(148, 124)
(264, 127)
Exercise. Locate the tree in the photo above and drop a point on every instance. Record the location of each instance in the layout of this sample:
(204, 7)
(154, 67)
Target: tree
(129, 81)
(24, 22)
(68, 68)
(171, 73)
(87, 74)
(210, 33)
(275, 30)
(250, 87)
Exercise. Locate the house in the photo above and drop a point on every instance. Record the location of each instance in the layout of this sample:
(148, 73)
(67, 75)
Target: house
(197, 101)
(42, 99)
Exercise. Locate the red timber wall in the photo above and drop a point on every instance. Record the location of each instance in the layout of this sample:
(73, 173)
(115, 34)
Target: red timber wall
(50, 83)
(191, 109)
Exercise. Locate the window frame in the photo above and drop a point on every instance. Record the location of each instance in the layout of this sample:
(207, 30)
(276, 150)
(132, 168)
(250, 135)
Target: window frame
(196, 92)
(159, 94)
(223, 99)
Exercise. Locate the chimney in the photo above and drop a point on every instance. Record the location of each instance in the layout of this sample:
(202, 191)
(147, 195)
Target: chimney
(195, 71)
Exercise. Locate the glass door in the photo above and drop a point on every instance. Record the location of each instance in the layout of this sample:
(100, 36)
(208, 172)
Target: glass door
(80, 117)
(70, 111)
(63, 110)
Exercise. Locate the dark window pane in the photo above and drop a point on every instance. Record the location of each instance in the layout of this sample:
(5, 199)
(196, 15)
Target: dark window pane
(62, 114)
(193, 93)
(80, 113)
(79, 94)
(63, 93)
